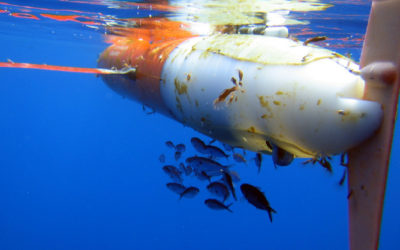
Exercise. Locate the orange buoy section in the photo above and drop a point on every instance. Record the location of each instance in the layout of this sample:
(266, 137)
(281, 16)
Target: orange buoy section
(145, 49)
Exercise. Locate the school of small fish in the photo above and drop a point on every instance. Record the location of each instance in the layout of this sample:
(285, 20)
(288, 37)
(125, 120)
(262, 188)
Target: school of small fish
(205, 166)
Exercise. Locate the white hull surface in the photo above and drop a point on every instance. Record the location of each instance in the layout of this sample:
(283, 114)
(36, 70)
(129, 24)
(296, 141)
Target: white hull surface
(246, 90)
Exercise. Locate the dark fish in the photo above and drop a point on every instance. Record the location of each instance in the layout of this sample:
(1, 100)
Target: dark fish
(344, 159)
(176, 187)
(189, 192)
(202, 176)
(212, 141)
(258, 160)
(239, 158)
(180, 148)
(170, 168)
(341, 181)
(350, 194)
(210, 167)
(185, 169)
(177, 155)
(325, 164)
(199, 145)
(280, 156)
(170, 144)
(215, 152)
(188, 170)
(219, 189)
(148, 112)
(312, 161)
(182, 167)
(235, 176)
(228, 180)
(161, 158)
(257, 198)
(173, 173)
(323, 161)
(217, 205)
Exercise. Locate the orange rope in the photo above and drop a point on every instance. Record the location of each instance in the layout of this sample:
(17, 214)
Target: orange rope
(65, 68)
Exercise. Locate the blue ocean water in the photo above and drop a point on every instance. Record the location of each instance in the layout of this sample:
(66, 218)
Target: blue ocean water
(79, 164)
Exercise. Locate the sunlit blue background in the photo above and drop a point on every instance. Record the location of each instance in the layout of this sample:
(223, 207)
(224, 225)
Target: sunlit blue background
(79, 165)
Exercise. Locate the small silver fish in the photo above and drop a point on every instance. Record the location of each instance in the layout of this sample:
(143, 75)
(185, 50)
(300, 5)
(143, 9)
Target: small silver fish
(189, 192)
(257, 198)
(176, 187)
(217, 205)
(239, 158)
(219, 189)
